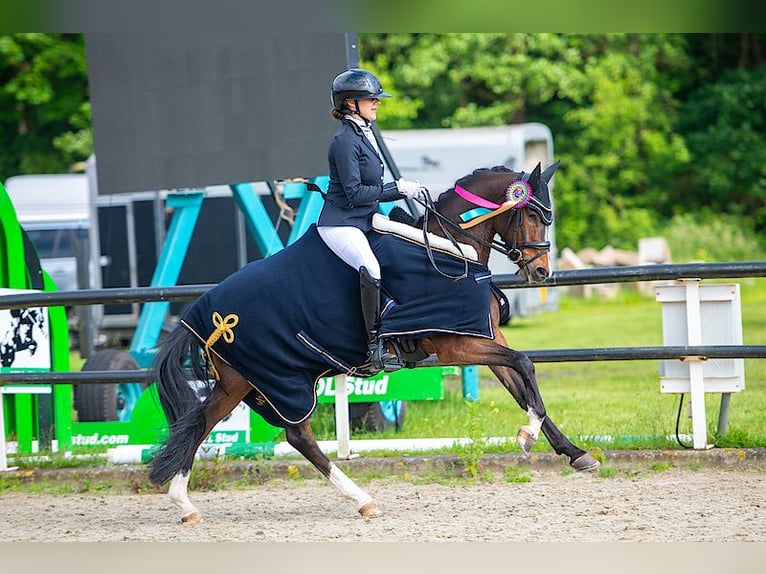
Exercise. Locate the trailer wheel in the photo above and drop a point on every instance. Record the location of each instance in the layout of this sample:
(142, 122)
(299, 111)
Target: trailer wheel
(107, 402)
(377, 416)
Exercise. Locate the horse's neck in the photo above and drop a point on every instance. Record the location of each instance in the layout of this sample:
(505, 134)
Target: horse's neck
(447, 206)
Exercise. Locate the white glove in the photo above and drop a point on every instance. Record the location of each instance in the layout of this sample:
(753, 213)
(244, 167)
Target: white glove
(411, 189)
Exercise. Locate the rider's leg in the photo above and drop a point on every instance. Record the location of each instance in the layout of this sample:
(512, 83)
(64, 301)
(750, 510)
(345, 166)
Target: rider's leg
(350, 244)
(377, 353)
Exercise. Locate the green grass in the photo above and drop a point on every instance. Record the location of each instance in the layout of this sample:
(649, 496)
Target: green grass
(620, 399)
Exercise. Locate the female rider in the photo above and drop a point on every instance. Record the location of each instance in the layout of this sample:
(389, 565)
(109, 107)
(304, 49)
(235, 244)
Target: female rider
(354, 193)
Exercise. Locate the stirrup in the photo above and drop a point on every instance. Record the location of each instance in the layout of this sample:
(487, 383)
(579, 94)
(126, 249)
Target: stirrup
(381, 360)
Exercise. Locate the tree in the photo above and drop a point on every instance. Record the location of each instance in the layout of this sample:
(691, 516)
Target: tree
(608, 99)
(44, 108)
(619, 152)
(725, 127)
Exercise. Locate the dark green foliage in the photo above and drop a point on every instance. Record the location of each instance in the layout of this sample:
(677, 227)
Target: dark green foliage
(647, 126)
(44, 107)
(642, 122)
(725, 130)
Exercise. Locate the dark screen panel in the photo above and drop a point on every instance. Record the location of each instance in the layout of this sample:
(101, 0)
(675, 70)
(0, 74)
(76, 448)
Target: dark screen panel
(146, 242)
(113, 225)
(186, 111)
(212, 251)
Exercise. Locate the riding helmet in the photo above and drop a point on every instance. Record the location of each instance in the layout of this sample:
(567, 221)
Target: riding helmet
(355, 84)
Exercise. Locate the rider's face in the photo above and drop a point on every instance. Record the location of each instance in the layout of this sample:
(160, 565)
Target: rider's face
(368, 108)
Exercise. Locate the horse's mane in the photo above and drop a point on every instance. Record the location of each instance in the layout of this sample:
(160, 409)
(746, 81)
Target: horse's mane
(477, 172)
(402, 216)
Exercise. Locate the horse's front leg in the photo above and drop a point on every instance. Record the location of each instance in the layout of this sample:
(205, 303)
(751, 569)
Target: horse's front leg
(521, 382)
(530, 402)
(301, 438)
(517, 374)
(520, 378)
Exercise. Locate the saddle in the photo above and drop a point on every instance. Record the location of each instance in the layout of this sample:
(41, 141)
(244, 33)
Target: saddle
(403, 225)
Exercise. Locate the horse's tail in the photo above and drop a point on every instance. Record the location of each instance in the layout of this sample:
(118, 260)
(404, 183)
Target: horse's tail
(182, 406)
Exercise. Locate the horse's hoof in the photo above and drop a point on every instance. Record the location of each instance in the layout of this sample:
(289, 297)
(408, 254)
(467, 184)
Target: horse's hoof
(192, 518)
(370, 510)
(585, 463)
(526, 439)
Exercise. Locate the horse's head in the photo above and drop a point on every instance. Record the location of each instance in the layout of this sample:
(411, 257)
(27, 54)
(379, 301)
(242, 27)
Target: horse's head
(513, 205)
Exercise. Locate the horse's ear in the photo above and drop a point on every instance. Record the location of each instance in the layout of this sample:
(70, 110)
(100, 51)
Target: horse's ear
(534, 177)
(549, 171)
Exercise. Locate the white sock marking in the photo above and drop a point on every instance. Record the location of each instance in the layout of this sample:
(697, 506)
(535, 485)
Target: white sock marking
(348, 487)
(178, 492)
(535, 423)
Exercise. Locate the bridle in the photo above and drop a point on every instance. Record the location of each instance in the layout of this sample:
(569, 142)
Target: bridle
(514, 251)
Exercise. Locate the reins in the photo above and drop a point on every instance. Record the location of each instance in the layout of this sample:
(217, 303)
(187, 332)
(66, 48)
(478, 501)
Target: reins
(429, 206)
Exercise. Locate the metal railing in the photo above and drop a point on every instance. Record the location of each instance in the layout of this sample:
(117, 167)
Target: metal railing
(506, 281)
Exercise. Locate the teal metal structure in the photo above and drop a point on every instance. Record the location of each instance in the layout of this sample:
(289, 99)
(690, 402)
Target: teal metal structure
(186, 209)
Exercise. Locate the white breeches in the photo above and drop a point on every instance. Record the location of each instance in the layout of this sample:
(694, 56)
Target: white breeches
(351, 245)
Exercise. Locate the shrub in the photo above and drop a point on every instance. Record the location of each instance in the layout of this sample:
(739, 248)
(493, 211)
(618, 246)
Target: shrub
(712, 238)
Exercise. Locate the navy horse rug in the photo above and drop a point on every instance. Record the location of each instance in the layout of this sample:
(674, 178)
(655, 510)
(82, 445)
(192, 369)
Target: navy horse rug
(285, 321)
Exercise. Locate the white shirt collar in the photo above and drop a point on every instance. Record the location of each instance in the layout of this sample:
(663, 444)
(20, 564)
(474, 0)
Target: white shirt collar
(360, 122)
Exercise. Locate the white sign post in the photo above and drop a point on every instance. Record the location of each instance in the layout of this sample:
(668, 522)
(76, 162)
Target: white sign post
(342, 431)
(700, 315)
(3, 455)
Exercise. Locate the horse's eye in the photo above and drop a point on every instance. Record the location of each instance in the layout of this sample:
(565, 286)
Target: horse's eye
(533, 217)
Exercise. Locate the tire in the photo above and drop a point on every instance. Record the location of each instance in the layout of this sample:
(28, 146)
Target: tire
(375, 417)
(107, 402)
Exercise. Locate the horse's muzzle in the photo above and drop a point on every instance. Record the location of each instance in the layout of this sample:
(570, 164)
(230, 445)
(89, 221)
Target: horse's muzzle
(533, 274)
(540, 273)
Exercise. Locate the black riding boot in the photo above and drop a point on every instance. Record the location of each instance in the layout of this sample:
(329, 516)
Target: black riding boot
(377, 354)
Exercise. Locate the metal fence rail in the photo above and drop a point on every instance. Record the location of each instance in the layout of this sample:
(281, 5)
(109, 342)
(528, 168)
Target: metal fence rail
(635, 273)
(539, 356)
(504, 280)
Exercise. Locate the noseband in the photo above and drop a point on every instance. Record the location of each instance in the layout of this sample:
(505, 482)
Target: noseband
(515, 252)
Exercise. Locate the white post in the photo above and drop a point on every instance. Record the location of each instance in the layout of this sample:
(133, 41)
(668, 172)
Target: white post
(3, 456)
(342, 432)
(696, 379)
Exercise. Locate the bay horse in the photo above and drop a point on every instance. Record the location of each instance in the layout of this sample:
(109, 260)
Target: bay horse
(489, 202)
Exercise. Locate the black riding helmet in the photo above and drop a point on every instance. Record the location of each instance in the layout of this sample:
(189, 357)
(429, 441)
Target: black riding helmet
(355, 84)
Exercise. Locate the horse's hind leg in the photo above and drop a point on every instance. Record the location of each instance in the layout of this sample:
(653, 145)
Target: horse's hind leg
(301, 438)
(225, 396)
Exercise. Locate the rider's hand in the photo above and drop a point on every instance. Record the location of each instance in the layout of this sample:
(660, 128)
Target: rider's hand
(411, 189)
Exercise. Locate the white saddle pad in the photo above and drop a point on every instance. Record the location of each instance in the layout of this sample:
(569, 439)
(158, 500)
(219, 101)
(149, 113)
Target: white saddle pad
(383, 224)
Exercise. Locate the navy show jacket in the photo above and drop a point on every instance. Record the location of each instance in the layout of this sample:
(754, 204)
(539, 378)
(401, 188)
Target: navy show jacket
(356, 180)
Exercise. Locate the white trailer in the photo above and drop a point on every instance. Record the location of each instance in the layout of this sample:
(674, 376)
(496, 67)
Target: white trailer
(54, 210)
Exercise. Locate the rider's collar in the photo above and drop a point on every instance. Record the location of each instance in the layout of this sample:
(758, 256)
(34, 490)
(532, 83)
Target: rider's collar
(363, 124)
